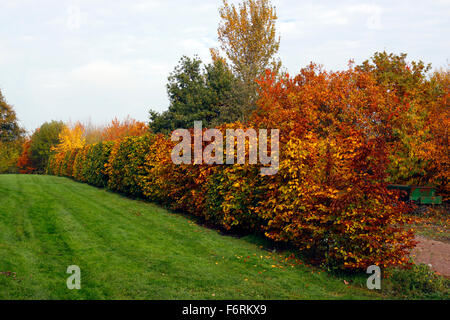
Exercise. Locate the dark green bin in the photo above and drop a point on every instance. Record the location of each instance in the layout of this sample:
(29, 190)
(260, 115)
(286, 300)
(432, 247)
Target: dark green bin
(418, 194)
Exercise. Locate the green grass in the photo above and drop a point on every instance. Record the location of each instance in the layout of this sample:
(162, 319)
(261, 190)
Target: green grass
(129, 249)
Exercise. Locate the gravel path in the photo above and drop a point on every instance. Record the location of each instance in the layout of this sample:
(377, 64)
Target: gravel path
(433, 252)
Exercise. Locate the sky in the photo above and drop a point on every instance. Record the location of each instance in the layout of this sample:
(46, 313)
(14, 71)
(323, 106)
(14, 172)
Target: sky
(93, 60)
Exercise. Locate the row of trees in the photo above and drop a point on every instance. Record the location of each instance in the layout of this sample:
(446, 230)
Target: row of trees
(329, 197)
(414, 121)
(343, 137)
(55, 137)
(414, 113)
(413, 116)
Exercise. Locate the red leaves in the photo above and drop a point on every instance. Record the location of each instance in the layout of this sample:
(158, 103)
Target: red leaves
(24, 162)
(330, 198)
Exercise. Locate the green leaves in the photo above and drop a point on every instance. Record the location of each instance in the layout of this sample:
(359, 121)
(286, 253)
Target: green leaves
(42, 141)
(211, 94)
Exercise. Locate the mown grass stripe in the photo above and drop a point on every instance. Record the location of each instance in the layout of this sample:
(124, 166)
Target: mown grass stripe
(129, 249)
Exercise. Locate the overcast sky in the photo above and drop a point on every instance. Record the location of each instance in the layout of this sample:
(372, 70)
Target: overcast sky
(97, 59)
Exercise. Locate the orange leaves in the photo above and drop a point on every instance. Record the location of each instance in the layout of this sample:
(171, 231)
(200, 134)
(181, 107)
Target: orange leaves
(434, 149)
(24, 162)
(413, 120)
(329, 197)
(126, 128)
(330, 188)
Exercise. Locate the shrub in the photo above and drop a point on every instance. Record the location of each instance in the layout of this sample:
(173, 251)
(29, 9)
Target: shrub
(233, 193)
(96, 160)
(80, 163)
(417, 282)
(329, 197)
(66, 168)
(125, 167)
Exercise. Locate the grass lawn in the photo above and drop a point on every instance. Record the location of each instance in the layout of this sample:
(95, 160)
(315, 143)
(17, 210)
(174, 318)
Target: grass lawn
(129, 249)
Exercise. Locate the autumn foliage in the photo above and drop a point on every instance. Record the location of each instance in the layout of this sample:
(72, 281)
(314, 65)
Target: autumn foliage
(24, 163)
(338, 131)
(73, 138)
(119, 129)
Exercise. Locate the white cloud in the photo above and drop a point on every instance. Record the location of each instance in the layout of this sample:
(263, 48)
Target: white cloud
(373, 13)
(115, 76)
(145, 6)
(100, 73)
(333, 17)
(320, 16)
(286, 27)
(198, 46)
(73, 21)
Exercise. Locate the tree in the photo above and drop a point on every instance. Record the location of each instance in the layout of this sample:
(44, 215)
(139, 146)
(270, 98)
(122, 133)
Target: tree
(11, 137)
(411, 97)
(329, 197)
(9, 153)
(9, 127)
(24, 162)
(227, 93)
(70, 137)
(434, 148)
(92, 132)
(211, 94)
(395, 73)
(248, 37)
(42, 141)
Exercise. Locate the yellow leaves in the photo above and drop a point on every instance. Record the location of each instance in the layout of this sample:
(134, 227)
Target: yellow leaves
(70, 137)
(247, 36)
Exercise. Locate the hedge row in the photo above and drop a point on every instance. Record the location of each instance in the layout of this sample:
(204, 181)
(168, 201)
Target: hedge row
(299, 205)
(329, 198)
(86, 164)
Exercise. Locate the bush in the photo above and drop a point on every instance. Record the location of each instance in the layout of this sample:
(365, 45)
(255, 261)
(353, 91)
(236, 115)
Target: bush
(125, 167)
(327, 199)
(9, 155)
(67, 163)
(79, 164)
(96, 161)
(417, 282)
(233, 193)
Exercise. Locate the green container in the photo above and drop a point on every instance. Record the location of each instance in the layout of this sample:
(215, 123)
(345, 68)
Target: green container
(418, 194)
(431, 200)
